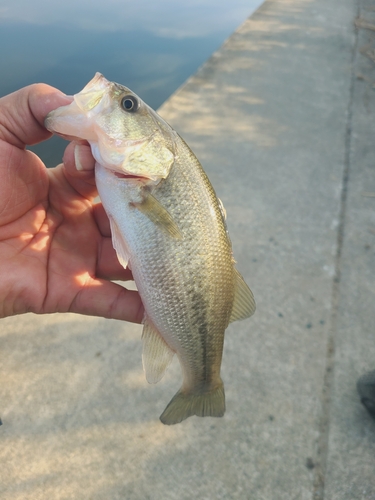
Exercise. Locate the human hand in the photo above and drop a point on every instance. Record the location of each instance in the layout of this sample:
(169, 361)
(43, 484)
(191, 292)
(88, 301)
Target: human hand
(56, 253)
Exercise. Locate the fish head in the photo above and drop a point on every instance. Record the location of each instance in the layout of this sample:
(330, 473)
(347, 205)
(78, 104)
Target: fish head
(125, 134)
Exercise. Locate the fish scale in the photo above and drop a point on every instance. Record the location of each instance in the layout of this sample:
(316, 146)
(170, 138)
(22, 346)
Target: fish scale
(167, 225)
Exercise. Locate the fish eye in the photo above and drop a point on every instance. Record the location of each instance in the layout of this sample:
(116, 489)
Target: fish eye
(130, 103)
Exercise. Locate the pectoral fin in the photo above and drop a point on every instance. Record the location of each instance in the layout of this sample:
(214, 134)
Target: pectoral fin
(244, 303)
(156, 355)
(119, 244)
(157, 214)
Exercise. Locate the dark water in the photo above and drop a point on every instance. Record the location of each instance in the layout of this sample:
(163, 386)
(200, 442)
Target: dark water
(151, 47)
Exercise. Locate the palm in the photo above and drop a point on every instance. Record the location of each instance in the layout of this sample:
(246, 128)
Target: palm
(50, 243)
(55, 247)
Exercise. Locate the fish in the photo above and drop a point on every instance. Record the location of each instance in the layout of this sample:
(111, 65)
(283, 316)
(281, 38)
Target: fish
(169, 227)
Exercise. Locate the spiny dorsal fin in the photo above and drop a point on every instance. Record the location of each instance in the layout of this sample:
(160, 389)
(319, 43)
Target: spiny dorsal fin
(156, 355)
(244, 303)
(222, 210)
(157, 214)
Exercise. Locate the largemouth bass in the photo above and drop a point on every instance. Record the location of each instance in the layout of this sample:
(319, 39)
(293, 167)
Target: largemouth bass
(169, 227)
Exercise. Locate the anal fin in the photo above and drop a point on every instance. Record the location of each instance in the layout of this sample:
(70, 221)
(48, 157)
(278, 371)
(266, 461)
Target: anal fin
(156, 354)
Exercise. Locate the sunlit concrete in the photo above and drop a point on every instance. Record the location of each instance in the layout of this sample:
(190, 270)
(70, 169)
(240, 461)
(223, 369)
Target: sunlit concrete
(282, 118)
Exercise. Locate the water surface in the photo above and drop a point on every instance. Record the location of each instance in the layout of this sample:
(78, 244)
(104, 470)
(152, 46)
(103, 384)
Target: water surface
(150, 46)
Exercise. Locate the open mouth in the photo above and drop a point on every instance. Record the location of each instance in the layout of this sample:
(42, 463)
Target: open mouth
(120, 175)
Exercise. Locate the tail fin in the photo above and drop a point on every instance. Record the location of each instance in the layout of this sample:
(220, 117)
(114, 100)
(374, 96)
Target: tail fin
(202, 404)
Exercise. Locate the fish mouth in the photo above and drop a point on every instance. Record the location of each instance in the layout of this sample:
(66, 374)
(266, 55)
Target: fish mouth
(73, 121)
(120, 175)
(127, 176)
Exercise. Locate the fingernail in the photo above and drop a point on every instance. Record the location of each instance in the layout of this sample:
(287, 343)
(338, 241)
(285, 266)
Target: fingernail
(76, 158)
(83, 157)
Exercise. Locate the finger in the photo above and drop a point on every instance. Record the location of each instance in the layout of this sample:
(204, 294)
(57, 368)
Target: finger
(78, 159)
(23, 112)
(109, 300)
(79, 167)
(108, 265)
(102, 220)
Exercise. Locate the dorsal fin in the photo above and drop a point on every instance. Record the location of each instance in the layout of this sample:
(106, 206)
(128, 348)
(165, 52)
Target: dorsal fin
(244, 303)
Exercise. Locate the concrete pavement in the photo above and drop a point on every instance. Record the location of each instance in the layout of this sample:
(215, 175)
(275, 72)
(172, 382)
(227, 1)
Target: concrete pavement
(282, 119)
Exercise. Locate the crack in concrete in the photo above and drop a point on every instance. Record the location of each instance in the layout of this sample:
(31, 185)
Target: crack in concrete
(324, 424)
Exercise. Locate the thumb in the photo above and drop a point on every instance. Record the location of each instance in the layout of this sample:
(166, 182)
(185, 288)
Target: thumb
(22, 114)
